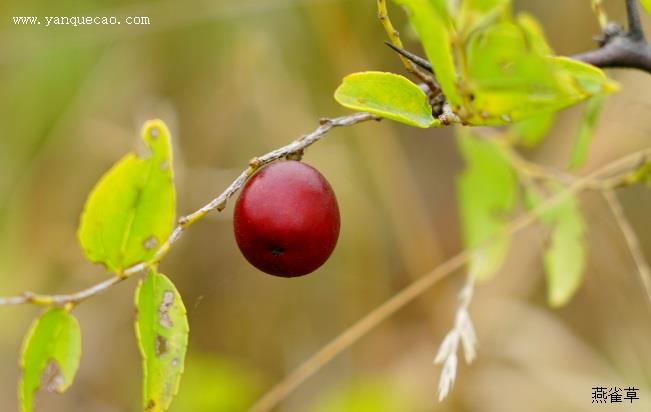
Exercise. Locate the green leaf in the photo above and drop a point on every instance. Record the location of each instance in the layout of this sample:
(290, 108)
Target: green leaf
(432, 21)
(366, 394)
(581, 80)
(50, 355)
(534, 34)
(483, 7)
(474, 13)
(565, 256)
(131, 210)
(565, 260)
(512, 77)
(162, 333)
(586, 131)
(487, 194)
(643, 174)
(510, 81)
(388, 95)
(531, 131)
(496, 70)
(234, 385)
(647, 5)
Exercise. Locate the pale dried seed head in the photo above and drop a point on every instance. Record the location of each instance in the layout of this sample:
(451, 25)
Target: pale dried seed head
(448, 375)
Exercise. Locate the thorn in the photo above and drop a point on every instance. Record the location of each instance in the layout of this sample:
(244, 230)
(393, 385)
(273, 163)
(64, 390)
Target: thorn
(419, 61)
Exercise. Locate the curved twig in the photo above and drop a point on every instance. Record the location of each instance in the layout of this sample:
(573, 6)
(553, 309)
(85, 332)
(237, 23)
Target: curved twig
(218, 203)
(631, 240)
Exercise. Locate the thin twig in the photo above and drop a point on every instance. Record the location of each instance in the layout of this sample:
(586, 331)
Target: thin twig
(351, 335)
(531, 170)
(218, 203)
(600, 11)
(631, 240)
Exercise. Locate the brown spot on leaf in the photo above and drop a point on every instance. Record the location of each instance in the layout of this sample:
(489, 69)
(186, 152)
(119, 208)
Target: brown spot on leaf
(164, 309)
(51, 378)
(160, 346)
(150, 243)
(154, 132)
(143, 153)
(150, 405)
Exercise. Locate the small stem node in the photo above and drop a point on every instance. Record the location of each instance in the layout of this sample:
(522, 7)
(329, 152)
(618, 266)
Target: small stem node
(297, 155)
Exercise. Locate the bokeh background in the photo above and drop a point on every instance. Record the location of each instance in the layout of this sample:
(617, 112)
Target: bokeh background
(237, 78)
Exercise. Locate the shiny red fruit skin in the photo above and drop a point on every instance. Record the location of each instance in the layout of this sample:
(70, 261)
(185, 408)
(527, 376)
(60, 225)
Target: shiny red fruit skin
(286, 219)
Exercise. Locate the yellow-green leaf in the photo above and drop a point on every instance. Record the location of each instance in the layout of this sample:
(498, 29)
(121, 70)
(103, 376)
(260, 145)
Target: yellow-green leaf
(529, 132)
(487, 194)
(566, 254)
(494, 69)
(432, 21)
(387, 95)
(366, 394)
(512, 77)
(534, 34)
(647, 5)
(50, 355)
(643, 174)
(580, 80)
(509, 80)
(162, 333)
(586, 131)
(483, 6)
(474, 13)
(131, 210)
(234, 384)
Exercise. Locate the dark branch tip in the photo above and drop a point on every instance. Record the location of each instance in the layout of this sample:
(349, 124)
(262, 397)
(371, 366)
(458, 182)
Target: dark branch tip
(417, 60)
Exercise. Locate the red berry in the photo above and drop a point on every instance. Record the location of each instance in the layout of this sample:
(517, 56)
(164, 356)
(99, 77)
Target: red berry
(287, 219)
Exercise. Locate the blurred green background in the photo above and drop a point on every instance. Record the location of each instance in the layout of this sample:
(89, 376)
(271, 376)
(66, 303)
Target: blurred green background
(237, 78)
